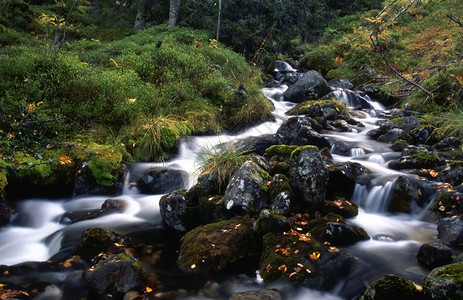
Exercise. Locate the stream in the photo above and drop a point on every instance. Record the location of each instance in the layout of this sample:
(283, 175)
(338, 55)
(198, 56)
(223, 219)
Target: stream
(38, 232)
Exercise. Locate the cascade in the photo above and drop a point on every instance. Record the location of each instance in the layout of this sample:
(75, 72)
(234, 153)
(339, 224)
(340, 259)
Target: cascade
(39, 228)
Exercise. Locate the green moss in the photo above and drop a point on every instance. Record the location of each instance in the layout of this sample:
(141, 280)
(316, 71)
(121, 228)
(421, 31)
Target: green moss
(456, 164)
(301, 148)
(280, 183)
(304, 107)
(426, 158)
(391, 287)
(280, 150)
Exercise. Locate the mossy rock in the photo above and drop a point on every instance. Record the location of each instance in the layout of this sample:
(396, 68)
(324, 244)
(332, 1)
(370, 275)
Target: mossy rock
(339, 234)
(445, 282)
(94, 241)
(342, 207)
(426, 159)
(269, 221)
(391, 287)
(285, 256)
(216, 246)
(304, 107)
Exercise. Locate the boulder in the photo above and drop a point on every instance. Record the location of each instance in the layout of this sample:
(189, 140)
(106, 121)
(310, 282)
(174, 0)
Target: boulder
(393, 136)
(339, 234)
(257, 144)
(403, 194)
(342, 207)
(434, 254)
(451, 230)
(341, 148)
(247, 189)
(308, 175)
(281, 195)
(216, 246)
(445, 282)
(94, 241)
(114, 276)
(423, 135)
(288, 131)
(6, 211)
(391, 287)
(108, 207)
(174, 210)
(279, 157)
(414, 157)
(162, 181)
(269, 221)
(306, 136)
(341, 83)
(311, 85)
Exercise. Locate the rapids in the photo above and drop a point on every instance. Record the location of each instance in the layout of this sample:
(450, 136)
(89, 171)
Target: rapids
(36, 233)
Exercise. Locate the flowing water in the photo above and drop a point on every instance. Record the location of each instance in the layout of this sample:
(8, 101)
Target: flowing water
(36, 233)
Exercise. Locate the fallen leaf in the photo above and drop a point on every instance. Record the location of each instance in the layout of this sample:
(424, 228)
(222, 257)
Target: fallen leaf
(148, 289)
(314, 255)
(193, 266)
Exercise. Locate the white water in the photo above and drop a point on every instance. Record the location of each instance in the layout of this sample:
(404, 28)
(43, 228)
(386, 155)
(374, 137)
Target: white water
(36, 233)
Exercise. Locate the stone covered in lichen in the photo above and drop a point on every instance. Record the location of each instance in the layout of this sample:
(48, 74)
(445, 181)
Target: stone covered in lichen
(216, 246)
(445, 282)
(279, 158)
(304, 107)
(391, 287)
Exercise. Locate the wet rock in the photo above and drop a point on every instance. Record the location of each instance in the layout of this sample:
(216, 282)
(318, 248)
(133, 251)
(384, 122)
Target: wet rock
(281, 195)
(330, 113)
(258, 295)
(451, 230)
(393, 136)
(339, 234)
(6, 211)
(454, 176)
(434, 254)
(391, 287)
(94, 241)
(258, 144)
(306, 136)
(423, 135)
(341, 207)
(448, 143)
(216, 246)
(111, 278)
(342, 126)
(339, 184)
(414, 157)
(341, 83)
(279, 158)
(353, 170)
(173, 208)
(403, 193)
(340, 148)
(445, 282)
(310, 85)
(288, 131)
(247, 190)
(308, 174)
(162, 181)
(108, 207)
(269, 221)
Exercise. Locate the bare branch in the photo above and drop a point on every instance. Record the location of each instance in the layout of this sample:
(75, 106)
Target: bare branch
(455, 20)
(403, 10)
(386, 7)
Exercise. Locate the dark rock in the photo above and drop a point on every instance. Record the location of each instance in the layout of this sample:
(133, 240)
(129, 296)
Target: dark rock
(258, 144)
(422, 135)
(340, 148)
(414, 157)
(279, 158)
(454, 176)
(174, 209)
(308, 175)
(434, 254)
(339, 184)
(310, 86)
(451, 230)
(290, 129)
(257, 295)
(269, 221)
(306, 136)
(162, 181)
(216, 246)
(353, 170)
(391, 287)
(281, 195)
(341, 207)
(246, 191)
(341, 83)
(393, 135)
(6, 211)
(330, 113)
(403, 193)
(110, 206)
(111, 278)
(94, 241)
(448, 143)
(445, 282)
(342, 126)
(339, 234)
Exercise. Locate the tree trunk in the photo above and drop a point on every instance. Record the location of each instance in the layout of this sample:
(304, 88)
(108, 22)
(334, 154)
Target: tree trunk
(173, 12)
(140, 19)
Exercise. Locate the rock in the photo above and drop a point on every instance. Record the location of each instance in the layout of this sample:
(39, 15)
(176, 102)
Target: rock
(6, 211)
(434, 254)
(269, 221)
(451, 230)
(403, 193)
(448, 143)
(113, 277)
(423, 135)
(281, 195)
(279, 157)
(306, 136)
(247, 190)
(173, 208)
(341, 207)
(341, 83)
(216, 246)
(339, 184)
(94, 241)
(110, 206)
(162, 181)
(339, 234)
(257, 295)
(340, 148)
(391, 287)
(342, 126)
(445, 282)
(393, 136)
(414, 157)
(330, 113)
(310, 85)
(258, 144)
(308, 174)
(454, 176)
(288, 131)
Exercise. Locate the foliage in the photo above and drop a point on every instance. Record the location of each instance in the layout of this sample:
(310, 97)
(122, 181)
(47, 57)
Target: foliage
(222, 161)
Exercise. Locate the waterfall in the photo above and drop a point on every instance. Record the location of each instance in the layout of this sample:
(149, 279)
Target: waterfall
(356, 98)
(374, 200)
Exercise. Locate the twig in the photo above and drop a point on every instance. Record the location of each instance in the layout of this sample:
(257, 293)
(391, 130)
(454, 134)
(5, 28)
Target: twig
(403, 10)
(385, 8)
(455, 20)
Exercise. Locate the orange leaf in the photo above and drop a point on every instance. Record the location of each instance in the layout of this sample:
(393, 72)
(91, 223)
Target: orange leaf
(315, 255)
